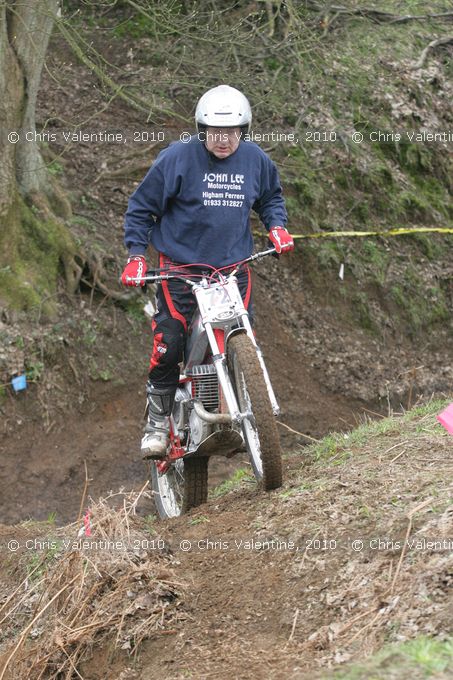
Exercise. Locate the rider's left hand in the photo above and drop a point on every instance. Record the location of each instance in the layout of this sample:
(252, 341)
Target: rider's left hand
(281, 239)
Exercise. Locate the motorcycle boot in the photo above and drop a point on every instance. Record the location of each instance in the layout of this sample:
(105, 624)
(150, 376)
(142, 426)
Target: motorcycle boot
(156, 439)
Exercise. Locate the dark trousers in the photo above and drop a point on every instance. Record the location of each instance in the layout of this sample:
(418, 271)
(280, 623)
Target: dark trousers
(176, 305)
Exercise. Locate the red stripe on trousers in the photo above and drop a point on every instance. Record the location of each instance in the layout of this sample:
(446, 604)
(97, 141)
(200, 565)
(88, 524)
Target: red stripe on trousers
(156, 355)
(173, 311)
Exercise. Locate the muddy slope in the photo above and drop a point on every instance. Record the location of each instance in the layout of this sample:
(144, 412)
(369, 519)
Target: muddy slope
(351, 554)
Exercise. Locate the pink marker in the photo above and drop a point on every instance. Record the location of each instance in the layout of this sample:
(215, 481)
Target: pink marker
(446, 418)
(86, 521)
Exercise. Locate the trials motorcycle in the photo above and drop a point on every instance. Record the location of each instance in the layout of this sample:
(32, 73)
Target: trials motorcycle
(224, 403)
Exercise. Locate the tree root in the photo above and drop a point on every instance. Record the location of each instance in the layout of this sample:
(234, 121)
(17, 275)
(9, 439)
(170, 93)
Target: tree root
(73, 273)
(97, 277)
(448, 40)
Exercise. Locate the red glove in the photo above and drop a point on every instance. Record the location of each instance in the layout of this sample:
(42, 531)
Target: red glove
(281, 239)
(136, 266)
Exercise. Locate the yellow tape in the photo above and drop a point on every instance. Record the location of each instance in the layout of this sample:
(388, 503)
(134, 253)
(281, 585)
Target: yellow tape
(389, 232)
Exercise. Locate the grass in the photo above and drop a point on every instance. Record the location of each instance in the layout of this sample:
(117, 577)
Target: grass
(338, 447)
(419, 659)
(202, 519)
(149, 524)
(239, 476)
(134, 309)
(296, 491)
(45, 551)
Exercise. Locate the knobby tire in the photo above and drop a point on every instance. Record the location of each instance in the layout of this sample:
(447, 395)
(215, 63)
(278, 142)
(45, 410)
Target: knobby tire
(195, 482)
(242, 350)
(190, 492)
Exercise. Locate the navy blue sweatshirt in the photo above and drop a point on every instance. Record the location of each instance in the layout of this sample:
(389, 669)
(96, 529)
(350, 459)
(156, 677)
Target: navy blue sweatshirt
(194, 207)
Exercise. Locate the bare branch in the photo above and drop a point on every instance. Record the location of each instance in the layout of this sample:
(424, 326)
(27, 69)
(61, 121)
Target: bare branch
(448, 40)
(376, 15)
(133, 100)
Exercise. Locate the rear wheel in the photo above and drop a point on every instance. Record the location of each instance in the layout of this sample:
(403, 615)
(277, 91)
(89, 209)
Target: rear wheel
(260, 430)
(182, 487)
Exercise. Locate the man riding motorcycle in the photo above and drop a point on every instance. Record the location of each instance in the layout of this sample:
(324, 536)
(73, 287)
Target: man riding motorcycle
(194, 207)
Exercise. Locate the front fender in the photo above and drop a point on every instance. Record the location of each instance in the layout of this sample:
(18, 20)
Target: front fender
(235, 331)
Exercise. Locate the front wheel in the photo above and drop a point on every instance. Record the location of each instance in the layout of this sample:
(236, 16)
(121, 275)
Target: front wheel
(259, 430)
(182, 487)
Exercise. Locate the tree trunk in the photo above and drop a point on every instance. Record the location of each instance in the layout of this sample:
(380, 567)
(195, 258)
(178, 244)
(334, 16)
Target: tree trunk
(26, 29)
(11, 105)
(29, 229)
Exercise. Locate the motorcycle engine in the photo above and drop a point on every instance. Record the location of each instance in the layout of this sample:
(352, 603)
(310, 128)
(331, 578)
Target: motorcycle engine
(199, 429)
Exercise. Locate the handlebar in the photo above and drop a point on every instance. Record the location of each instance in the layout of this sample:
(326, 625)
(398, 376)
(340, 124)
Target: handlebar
(152, 276)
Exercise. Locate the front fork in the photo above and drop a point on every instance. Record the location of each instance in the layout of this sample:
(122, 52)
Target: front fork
(223, 375)
(267, 380)
(218, 356)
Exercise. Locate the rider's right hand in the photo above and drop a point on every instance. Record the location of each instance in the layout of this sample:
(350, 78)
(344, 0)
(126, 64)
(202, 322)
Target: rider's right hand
(135, 268)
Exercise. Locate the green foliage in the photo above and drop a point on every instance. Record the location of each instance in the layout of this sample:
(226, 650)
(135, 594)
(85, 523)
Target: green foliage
(81, 221)
(90, 332)
(272, 63)
(202, 519)
(362, 312)
(150, 521)
(106, 375)
(239, 476)
(134, 309)
(88, 201)
(429, 409)
(137, 26)
(329, 253)
(34, 248)
(377, 259)
(39, 561)
(296, 491)
(430, 245)
(420, 307)
(339, 446)
(34, 370)
(418, 659)
(55, 168)
(97, 372)
(154, 20)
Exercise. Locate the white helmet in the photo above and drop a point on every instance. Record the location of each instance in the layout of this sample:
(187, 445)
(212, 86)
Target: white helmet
(223, 106)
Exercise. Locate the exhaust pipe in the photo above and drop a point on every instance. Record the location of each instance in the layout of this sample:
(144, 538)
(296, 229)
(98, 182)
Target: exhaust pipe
(223, 418)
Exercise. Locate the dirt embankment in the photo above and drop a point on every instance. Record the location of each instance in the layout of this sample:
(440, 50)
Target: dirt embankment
(333, 348)
(351, 554)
